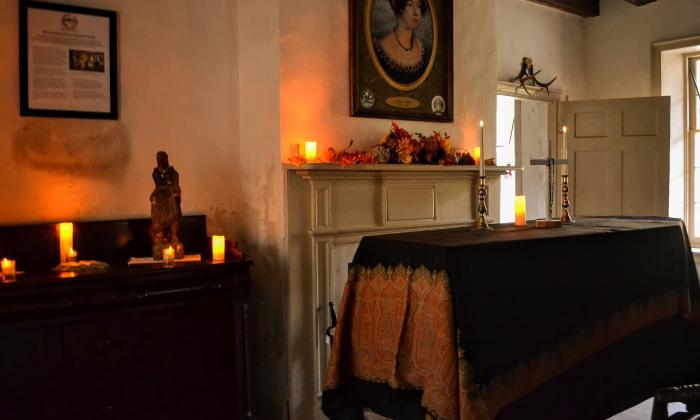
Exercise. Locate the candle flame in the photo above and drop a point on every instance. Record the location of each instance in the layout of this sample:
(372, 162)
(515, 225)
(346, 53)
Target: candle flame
(481, 123)
(564, 129)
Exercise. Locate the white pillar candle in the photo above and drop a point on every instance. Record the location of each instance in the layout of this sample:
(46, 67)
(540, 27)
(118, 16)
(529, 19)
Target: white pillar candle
(477, 155)
(218, 248)
(520, 212)
(65, 238)
(310, 151)
(481, 150)
(565, 154)
(8, 269)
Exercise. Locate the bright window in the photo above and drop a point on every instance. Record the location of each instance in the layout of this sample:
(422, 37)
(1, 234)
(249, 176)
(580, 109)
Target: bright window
(693, 138)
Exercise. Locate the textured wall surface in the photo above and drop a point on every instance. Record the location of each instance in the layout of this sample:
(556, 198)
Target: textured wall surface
(552, 38)
(198, 79)
(314, 97)
(618, 43)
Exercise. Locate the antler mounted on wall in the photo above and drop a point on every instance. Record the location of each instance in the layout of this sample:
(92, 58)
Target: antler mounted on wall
(529, 75)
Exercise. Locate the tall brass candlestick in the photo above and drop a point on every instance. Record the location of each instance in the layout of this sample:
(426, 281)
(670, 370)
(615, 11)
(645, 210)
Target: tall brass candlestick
(566, 218)
(480, 223)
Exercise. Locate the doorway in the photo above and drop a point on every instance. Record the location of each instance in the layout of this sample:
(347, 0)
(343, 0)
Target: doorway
(522, 135)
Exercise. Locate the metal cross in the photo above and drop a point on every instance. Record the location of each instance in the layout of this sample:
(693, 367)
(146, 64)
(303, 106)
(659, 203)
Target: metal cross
(551, 164)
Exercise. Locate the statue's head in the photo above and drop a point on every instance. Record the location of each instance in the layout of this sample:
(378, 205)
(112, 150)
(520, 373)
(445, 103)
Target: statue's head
(162, 159)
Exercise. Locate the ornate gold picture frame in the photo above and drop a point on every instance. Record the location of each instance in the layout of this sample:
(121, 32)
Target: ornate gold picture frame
(401, 59)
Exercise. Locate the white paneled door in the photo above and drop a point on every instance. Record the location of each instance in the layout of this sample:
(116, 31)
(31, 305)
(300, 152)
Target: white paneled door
(618, 152)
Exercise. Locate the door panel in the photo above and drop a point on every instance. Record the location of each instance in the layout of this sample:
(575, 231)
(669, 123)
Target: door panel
(595, 170)
(640, 122)
(640, 184)
(591, 124)
(619, 156)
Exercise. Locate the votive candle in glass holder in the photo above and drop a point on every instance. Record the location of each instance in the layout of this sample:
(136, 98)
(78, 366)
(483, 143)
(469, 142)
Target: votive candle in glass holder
(72, 255)
(169, 256)
(8, 269)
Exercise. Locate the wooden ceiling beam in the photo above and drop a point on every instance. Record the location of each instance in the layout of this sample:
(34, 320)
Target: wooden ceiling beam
(583, 8)
(640, 2)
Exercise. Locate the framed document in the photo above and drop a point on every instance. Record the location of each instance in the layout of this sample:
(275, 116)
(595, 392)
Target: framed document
(401, 59)
(68, 61)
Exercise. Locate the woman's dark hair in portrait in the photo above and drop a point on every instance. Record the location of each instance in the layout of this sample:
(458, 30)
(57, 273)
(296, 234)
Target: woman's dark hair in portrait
(399, 5)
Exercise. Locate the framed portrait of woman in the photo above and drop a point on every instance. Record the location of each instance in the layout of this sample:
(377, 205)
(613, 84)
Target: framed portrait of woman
(401, 59)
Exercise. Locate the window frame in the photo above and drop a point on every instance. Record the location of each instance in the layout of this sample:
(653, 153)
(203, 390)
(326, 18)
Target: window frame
(691, 131)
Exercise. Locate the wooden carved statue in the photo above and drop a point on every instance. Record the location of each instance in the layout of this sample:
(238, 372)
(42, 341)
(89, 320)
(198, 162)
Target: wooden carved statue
(165, 208)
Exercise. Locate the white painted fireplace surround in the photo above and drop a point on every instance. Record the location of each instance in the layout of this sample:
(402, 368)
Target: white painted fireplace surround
(329, 209)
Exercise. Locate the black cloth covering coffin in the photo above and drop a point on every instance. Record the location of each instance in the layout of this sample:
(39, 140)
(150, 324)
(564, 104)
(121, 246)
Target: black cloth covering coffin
(520, 291)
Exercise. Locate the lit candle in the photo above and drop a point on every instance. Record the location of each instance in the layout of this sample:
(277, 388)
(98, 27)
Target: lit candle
(520, 219)
(8, 269)
(72, 255)
(481, 149)
(168, 256)
(477, 155)
(565, 169)
(310, 151)
(65, 237)
(218, 247)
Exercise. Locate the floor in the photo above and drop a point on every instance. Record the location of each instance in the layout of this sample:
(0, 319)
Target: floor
(638, 412)
(643, 411)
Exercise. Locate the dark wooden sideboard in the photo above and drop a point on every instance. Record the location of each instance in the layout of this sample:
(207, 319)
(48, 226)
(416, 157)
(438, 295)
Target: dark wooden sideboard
(129, 343)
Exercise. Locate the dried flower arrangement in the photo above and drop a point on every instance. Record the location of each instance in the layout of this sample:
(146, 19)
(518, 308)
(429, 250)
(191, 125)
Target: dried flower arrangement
(399, 146)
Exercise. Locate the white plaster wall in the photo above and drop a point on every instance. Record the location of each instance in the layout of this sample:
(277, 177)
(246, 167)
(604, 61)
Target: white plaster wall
(314, 97)
(618, 43)
(199, 79)
(169, 90)
(552, 38)
(259, 214)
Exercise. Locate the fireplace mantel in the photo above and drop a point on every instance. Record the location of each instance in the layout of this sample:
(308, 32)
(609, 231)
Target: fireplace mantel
(329, 209)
